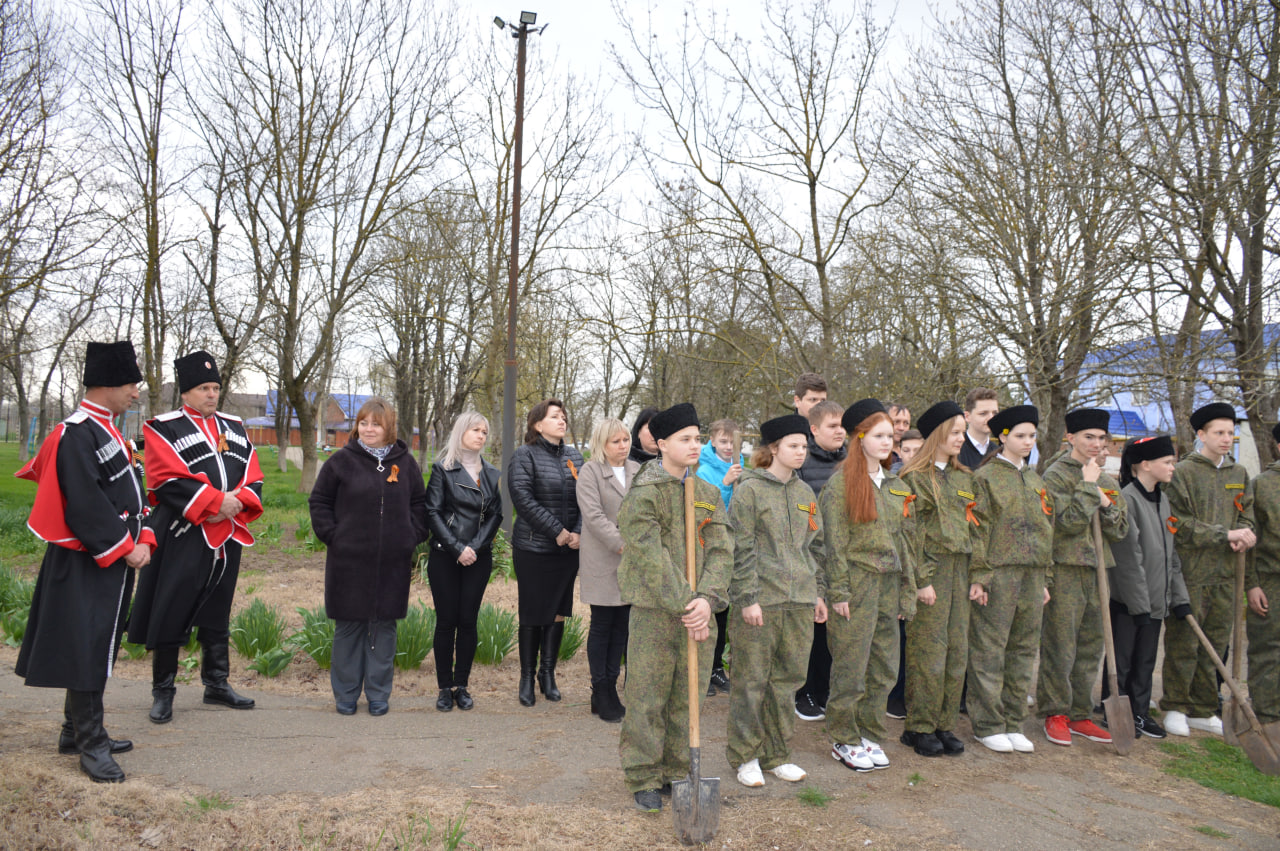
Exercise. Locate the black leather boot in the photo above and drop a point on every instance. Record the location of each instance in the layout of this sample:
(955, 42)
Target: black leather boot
(215, 665)
(95, 751)
(529, 638)
(164, 667)
(616, 711)
(67, 738)
(552, 635)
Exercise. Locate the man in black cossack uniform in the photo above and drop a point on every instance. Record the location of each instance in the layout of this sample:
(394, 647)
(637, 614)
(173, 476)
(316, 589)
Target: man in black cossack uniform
(89, 507)
(205, 485)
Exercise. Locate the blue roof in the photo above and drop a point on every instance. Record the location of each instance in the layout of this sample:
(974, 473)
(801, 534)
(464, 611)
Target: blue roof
(1127, 424)
(348, 402)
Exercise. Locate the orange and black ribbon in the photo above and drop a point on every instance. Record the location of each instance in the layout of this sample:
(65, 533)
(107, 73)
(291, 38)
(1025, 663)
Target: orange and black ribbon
(1112, 495)
(1239, 501)
(1044, 503)
(222, 443)
(1172, 525)
(906, 504)
(395, 473)
(704, 522)
(572, 468)
(812, 510)
(969, 515)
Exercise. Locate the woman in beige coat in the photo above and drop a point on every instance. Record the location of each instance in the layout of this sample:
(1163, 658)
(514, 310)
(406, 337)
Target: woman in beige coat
(602, 483)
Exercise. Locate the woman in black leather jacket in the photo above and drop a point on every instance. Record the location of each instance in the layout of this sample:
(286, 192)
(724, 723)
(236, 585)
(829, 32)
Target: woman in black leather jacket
(542, 481)
(464, 510)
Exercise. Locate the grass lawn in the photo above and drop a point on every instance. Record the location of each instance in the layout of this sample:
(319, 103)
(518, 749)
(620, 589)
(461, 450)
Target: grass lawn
(1217, 765)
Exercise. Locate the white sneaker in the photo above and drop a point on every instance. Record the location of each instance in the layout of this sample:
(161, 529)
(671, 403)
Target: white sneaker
(1212, 724)
(878, 758)
(1020, 743)
(749, 774)
(789, 772)
(997, 742)
(1031, 701)
(852, 756)
(1176, 724)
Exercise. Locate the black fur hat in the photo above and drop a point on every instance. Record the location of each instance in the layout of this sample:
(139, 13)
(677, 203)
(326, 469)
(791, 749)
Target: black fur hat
(195, 369)
(936, 416)
(111, 364)
(668, 422)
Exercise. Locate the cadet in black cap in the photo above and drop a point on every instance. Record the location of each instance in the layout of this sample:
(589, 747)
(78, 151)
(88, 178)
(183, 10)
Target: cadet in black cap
(89, 507)
(1071, 634)
(202, 471)
(1210, 496)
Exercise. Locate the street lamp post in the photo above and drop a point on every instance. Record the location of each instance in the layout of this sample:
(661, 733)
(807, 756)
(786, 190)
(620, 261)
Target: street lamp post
(510, 368)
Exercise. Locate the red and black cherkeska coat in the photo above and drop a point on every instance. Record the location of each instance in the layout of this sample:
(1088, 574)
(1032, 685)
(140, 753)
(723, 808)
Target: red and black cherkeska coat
(191, 461)
(89, 507)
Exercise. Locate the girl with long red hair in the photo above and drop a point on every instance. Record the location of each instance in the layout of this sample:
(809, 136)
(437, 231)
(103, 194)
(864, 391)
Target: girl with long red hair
(866, 512)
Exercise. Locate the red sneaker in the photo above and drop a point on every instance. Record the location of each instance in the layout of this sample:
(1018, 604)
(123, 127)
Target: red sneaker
(1056, 730)
(1090, 731)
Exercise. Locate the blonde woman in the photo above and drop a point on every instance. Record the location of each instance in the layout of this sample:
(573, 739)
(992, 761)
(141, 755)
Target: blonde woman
(464, 511)
(603, 482)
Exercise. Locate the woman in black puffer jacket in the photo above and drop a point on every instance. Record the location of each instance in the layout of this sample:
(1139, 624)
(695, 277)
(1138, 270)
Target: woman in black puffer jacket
(368, 507)
(464, 509)
(541, 481)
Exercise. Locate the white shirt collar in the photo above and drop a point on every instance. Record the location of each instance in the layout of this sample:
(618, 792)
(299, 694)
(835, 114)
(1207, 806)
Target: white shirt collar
(981, 447)
(1010, 463)
(877, 477)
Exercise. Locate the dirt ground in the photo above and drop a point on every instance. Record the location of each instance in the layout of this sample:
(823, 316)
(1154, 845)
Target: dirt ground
(292, 774)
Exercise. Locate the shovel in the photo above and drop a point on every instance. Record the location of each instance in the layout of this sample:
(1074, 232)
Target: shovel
(1261, 744)
(1118, 711)
(695, 802)
(1233, 717)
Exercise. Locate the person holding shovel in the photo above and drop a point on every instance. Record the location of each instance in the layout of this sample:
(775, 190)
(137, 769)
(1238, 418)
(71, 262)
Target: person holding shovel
(1263, 582)
(777, 590)
(654, 745)
(1210, 496)
(1146, 581)
(1071, 633)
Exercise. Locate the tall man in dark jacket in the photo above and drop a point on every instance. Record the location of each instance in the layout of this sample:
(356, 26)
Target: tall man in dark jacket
(204, 480)
(89, 508)
(980, 405)
(826, 453)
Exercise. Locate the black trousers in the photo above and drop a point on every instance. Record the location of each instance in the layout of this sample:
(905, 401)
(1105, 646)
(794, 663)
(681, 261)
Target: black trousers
(722, 631)
(457, 592)
(1136, 648)
(899, 691)
(606, 642)
(818, 682)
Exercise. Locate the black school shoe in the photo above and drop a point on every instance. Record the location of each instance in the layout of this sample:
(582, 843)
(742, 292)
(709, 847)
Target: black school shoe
(925, 744)
(1147, 726)
(951, 745)
(462, 698)
(649, 801)
(444, 703)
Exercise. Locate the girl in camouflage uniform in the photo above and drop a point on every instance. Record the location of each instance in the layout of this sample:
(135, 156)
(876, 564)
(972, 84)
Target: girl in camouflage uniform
(1012, 556)
(777, 588)
(871, 581)
(938, 637)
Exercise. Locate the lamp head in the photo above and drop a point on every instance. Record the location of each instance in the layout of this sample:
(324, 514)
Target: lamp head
(529, 18)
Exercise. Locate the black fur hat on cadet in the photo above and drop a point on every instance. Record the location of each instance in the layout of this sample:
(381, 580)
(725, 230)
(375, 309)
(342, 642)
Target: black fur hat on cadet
(1149, 449)
(668, 422)
(779, 427)
(1003, 422)
(195, 369)
(936, 416)
(111, 364)
(1083, 419)
(1202, 416)
(856, 413)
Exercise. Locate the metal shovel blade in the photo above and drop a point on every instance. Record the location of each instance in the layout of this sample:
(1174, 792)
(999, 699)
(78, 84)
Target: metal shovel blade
(695, 804)
(1120, 722)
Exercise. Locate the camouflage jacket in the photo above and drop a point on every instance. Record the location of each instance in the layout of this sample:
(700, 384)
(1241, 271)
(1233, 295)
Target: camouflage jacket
(1074, 503)
(942, 524)
(1265, 557)
(879, 547)
(1015, 520)
(778, 547)
(651, 520)
(1208, 502)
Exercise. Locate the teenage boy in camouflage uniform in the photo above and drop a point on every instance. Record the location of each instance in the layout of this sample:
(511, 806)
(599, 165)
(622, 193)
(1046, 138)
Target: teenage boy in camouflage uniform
(1008, 571)
(777, 592)
(1263, 582)
(1071, 634)
(1210, 498)
(654, 745)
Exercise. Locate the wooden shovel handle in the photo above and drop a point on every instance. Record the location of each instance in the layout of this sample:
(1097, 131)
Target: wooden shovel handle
(691, 573)
(1222, 669)
(1237, 619)
(1104, 603)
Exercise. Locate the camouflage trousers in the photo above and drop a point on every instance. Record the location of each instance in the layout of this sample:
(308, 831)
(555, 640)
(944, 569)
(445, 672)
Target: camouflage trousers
(1070, 644)
(1003, 638)
(769, 664)
(1264, 653)
(654, 745)
(864, 658)
(938, 648)
(1190, 679)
